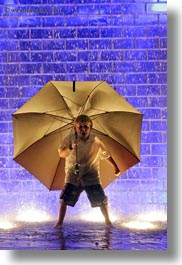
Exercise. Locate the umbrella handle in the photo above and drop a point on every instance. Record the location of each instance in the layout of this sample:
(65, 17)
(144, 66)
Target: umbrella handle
(76, 153)
(76, 169)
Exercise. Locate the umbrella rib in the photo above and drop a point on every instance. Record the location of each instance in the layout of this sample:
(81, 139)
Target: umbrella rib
(95, 116)
(100, 133)
(114, 111)
(83, 105)
(71, 100)
(59, 118)
(54, 132)
(43, 113)
(55, 174)
(68, 109)
(49, 127)
(60, 130)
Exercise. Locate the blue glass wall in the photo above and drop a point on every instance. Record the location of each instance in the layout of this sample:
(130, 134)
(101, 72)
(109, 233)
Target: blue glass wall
(122, 42)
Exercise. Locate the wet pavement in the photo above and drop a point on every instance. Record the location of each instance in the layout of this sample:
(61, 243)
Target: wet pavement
(81, 236)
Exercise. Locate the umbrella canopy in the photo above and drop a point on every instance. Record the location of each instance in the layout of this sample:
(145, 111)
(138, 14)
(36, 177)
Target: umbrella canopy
(42, 123)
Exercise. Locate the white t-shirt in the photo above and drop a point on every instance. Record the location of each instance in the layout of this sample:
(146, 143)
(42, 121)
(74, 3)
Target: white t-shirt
(89, 154)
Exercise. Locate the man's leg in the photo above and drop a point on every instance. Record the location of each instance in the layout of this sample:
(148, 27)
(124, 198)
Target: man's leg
(69, 196)
(97, 197)
(62, 213)
(104, 210)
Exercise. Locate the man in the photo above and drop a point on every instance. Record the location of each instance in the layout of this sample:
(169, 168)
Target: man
(82, 152)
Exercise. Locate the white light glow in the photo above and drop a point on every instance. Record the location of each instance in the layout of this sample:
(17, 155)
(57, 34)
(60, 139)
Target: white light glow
(96, 216)
(32, 215)
(146, 221)
(6, 225)
(138, 225)
(153, 217)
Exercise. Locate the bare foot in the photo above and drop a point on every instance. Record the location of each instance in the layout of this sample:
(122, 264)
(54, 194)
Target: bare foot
(108, 223)
(58, 225)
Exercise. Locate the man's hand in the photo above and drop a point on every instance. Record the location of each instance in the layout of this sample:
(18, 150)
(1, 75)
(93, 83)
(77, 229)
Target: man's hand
(74, 144)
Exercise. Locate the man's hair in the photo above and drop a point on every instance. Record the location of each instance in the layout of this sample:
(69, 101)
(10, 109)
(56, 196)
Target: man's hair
(83, 118)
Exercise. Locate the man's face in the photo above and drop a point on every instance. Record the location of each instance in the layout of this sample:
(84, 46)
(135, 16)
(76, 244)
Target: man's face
(83, 130)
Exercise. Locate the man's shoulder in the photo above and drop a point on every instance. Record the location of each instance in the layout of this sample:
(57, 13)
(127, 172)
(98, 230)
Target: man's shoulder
(70, 136)
(67, 139)
(95, 138)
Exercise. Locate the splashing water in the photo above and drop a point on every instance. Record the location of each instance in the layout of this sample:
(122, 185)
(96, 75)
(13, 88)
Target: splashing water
(34, 229)
(32, 215)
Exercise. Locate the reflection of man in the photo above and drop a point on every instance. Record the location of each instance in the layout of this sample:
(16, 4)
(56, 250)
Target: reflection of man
(82, 151)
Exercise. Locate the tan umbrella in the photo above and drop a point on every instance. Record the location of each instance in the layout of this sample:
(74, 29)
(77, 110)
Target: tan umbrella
(41, 124)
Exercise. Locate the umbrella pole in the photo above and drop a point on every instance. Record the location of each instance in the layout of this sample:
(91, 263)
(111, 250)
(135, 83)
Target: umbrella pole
(76, 153)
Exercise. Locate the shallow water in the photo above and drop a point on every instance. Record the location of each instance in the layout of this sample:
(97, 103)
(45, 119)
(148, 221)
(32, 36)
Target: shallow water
(81, 236)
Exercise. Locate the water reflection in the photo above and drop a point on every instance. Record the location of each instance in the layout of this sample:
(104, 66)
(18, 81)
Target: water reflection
(82, 236)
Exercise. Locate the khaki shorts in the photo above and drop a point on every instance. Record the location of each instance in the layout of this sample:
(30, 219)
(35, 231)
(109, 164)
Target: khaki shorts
(95, 193)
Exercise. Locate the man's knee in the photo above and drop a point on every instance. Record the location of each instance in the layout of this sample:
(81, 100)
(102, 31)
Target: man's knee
(63, 203)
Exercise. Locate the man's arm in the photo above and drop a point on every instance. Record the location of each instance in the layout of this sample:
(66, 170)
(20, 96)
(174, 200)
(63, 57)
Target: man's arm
(111, 161)
(108, 157)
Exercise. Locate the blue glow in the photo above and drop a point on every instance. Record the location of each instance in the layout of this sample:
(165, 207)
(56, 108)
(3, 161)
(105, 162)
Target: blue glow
(124, 43)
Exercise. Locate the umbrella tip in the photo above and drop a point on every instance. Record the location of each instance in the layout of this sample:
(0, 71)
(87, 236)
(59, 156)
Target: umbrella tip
(73, 86)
